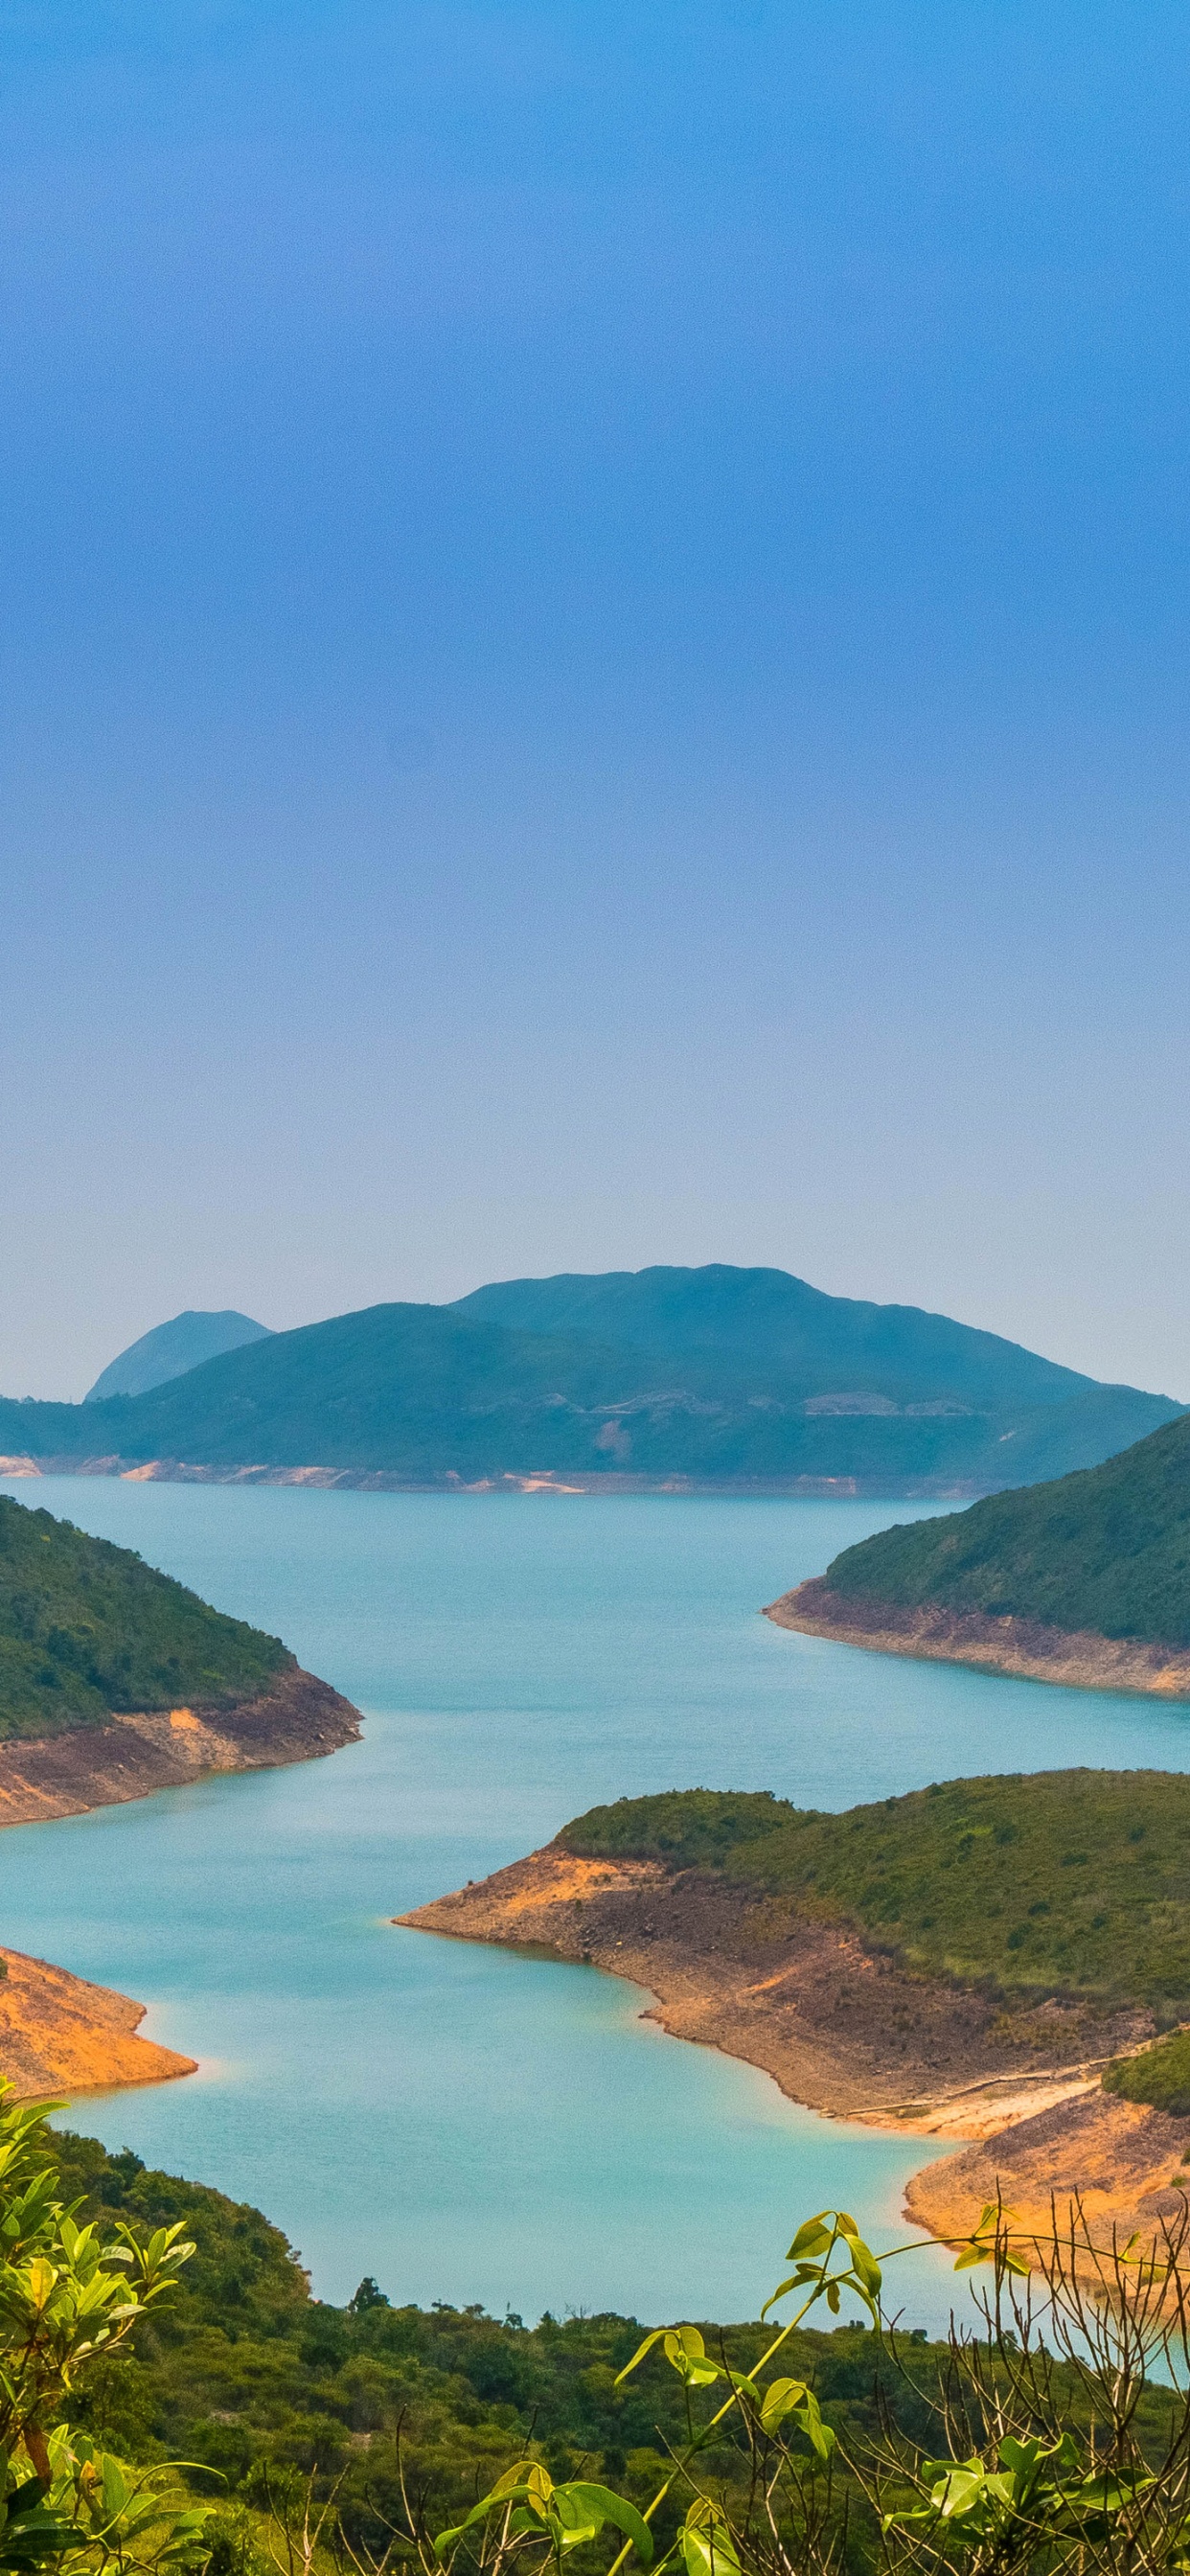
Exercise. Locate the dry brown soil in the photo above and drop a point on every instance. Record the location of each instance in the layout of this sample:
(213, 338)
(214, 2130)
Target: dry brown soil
(101, 1766)
(840, 2026)
(1021, 1646)
(60, 2035)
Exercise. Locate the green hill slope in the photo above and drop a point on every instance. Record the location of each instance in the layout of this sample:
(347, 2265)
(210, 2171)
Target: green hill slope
(1074, 1883)
(766, 1322)
(88, 1630)
(738, 1386)
(1107, 1550)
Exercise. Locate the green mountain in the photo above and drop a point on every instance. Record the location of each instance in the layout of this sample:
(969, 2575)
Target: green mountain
(1107, 1550)
(88, 1630)
(170, 1349)
(1074, 1883)
(715, 1376)
(769, 1325)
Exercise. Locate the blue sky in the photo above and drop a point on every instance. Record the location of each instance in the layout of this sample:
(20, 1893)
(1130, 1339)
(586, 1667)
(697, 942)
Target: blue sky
(594, 658)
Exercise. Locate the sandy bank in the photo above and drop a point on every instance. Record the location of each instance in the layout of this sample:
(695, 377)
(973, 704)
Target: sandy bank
(844, 2031)
(1123, 2160)
(102, 1766)
(381, 1480)
(840, 2027)
(1023, 1647)
(58, 2034)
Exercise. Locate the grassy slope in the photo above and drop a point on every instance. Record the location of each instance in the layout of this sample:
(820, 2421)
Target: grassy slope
(425, 1392)
(87, 1628)
(1107, 1550)
(1069, 1882)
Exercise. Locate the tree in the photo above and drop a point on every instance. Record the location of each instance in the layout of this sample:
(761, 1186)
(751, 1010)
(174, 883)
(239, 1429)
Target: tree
(65, 2298)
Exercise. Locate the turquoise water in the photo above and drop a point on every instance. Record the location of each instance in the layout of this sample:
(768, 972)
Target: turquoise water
(466, 2123)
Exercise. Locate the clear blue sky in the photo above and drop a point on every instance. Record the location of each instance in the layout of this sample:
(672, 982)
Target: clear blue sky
(595, 657)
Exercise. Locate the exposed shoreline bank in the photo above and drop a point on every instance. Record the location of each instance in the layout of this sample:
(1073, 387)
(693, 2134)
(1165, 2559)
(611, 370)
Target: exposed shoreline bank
(1023, 1648)
(59, 2034)
(84, 1767)
(843, 2031)
(368, 1480)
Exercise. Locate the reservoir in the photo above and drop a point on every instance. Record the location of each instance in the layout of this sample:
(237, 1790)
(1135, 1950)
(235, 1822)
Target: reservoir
(470, 2124)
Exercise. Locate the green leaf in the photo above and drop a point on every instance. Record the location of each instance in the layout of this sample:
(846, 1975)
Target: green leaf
(779, 2401)
(602, 2504)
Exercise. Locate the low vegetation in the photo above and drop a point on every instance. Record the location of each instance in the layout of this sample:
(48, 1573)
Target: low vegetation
(1159, 2076)
(1063, 1882)
(88, 1630)
(330, 2440)
(1106, 1550)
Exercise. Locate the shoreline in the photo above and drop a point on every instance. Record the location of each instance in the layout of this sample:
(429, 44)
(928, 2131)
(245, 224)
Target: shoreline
(379, 1480)
(84, 1767)
(62, 2035)
(845, 2033)
(1021, 1649)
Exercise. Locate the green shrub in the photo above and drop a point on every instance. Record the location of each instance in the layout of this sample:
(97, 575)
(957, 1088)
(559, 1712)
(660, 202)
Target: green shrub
(1159, 2076)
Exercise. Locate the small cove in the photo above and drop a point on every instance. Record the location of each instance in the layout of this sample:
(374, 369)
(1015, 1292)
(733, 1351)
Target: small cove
(468, 2123)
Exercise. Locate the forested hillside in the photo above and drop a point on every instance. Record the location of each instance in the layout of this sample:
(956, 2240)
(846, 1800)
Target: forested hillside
(1062, 1882)
(254, 2381)
(1108, 1550)
(88, 1630)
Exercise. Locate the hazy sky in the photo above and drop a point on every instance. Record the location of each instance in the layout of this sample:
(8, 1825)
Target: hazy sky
(595, 657)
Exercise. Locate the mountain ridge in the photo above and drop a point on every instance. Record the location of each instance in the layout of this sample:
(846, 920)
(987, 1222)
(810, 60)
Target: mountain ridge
(736, 1379)
(170, 1349)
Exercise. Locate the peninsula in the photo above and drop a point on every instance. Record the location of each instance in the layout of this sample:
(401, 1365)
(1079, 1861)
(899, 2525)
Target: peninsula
(1085, 1580)
(966, 1962)
(115, 1680)
(61, 2034)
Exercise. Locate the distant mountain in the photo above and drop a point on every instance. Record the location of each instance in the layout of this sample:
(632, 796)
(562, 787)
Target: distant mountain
(170, 1349)
(1086, 1579)
(769, 1327)
(714, 1377)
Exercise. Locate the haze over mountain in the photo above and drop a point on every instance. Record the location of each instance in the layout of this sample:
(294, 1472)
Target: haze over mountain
(170, 1349)
(715, 1376)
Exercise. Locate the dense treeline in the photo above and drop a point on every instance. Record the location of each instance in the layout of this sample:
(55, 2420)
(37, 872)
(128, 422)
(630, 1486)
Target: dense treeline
(1062, 1882)
(249, 2375)
(88, 1629)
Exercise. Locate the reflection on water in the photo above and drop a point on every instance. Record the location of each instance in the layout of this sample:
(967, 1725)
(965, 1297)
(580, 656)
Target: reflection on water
(467, 2123)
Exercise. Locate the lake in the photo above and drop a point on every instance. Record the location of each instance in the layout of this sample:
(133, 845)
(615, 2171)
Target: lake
(468, 2124)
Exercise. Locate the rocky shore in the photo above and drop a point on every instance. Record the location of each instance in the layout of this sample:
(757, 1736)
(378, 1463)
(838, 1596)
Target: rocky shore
(298, 1719)
(1023, 1647)
(60, 2034)
(842, 2029)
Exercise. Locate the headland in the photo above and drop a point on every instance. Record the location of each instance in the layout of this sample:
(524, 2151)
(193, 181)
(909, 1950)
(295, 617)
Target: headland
(1026, 1649)
(770, 1934)
(1081, 1580)
(60, 2034)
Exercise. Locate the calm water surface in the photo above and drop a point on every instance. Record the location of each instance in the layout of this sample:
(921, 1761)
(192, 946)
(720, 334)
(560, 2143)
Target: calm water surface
(465, 2123)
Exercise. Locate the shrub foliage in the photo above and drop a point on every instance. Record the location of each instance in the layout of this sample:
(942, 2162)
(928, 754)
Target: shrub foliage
(88, 1629)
